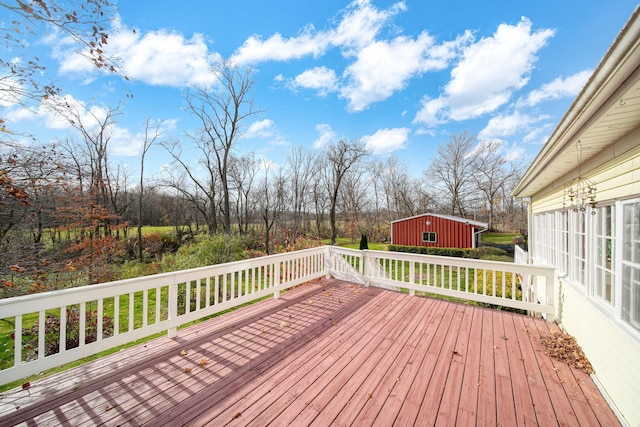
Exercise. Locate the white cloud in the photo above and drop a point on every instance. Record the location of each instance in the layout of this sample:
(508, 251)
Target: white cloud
(381, 67)
(322, 79)
(358, 27)
(506, 125)
(487, 75)
(11, 91)
(384, 67)
(260, 129)
(266, 129)
(386, 141)
(558, 88)
(514, 152)
(361, 24)
(150, 57)
(538, 135)
(327, 135)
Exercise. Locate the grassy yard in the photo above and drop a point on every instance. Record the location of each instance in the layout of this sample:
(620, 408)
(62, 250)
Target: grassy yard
(497, 238)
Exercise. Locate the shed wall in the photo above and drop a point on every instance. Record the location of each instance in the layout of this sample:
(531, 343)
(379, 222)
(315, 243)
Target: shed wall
(449, 233)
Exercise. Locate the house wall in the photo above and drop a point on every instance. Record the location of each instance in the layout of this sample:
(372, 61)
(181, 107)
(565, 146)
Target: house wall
(450, 234)
(611, 345)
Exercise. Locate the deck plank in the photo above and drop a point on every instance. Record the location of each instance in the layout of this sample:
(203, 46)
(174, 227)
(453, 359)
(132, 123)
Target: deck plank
(523, 403)
(487, 404)
(329, 353)
(447, 412)
(505, 395)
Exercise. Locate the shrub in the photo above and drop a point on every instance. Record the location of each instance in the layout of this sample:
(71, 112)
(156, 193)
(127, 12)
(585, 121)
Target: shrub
(484, 252)
(208, 250)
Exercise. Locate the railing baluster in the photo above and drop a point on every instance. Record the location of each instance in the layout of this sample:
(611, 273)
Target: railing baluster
(207, 292)
(17, 345)
(63, 329)
(131, 311)
(145, 308)
(116, 315)
(216, 296)
(158, 304)
(42, 317)
(100, 319)
(198, 289)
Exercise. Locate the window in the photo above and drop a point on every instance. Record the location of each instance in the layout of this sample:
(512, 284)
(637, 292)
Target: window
(599, 253)
(604, 254)
(429, 236)
(563, 262)
(544, 246)
(578, 247)
(631, 264)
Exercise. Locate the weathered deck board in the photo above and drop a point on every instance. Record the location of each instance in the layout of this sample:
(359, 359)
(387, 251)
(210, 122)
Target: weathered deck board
(327, 353)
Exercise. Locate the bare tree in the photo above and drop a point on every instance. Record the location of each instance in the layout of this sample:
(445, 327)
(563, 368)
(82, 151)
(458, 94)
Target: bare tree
(299, 169)
(319, 194)
(490, 174)
(243, 172)
(453, 169)
(270, 202)
(95, 126)
(151, 133)
(221, 112)
(200, 189)
(354, 201)
(341, 157)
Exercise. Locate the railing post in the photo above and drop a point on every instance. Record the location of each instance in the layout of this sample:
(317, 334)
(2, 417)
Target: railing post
(550, 287)
(412, 276)
(276, 280)
(173, 309)
(365, 266)
(328, 263)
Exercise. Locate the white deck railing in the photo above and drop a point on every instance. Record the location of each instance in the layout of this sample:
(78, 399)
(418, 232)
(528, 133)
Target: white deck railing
(137, 308)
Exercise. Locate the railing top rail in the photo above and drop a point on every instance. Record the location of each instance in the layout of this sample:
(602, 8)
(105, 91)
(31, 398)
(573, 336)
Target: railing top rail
(465, 262)
(144, 282)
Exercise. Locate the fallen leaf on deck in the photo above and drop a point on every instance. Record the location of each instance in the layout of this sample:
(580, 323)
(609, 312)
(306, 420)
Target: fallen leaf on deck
(202, 362)
(110, 407)
(236, 416)
(183, 352)
(284, 324)
(187, 370)
(563, 347)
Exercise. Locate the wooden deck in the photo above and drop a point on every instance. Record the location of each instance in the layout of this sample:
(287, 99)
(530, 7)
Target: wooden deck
(327, 353)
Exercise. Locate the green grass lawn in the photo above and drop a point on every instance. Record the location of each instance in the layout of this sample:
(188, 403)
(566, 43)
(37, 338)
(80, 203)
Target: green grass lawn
(497, 238)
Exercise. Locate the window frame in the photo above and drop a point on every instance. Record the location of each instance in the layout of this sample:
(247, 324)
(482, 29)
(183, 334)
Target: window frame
(431, 233)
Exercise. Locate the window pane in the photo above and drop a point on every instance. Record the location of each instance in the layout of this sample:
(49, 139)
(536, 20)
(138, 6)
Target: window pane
(631, 265)
(632, 232)
(631, 296)
(603, 277)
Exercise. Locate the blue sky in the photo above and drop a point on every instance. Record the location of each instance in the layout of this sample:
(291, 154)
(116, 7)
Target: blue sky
(399, 76)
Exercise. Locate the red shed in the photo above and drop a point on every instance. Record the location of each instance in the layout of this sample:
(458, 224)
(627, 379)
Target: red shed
(443, 231)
